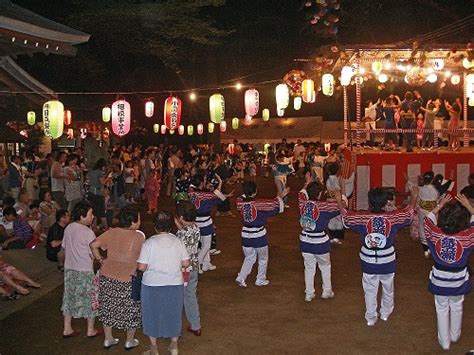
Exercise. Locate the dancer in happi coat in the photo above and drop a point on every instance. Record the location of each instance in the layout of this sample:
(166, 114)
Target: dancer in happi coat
(255, 213)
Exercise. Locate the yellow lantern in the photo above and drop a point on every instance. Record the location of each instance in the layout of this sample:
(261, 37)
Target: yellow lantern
(235, 123)
(266, 114)
(210, 127)
(467, 64)
(171, 131)
(53, 119)
(471, 101)
(106, 113)
(190, 130)
(282, 94)
(217, 108)
(308, 90)
(156, 128)
(31, 118)
(328, 84)
(455, 79)
(377, 68)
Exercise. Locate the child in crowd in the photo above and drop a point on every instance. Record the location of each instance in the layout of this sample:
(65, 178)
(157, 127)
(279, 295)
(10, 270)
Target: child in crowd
(183, 181)
(281, 170)
(204, 200)
(255, 213)
(333, 186)
(152, 190)
(449, 230)
(427, 201)
(22, 231)
(377, 230)
(252, 170)
(314, 243)
(130, 181)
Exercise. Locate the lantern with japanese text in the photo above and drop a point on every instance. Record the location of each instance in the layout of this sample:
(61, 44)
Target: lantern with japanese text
(282, 94)
(210, 127)
(31, 118)
(121, 113)
(156, 128)
(67, 117)
(297, 103)
(328, 84)
(190, 130)
(53, 119)
(106, 113)
(235, 123)
(223, 126)
(217, 108)
(181, 130)
(149, 109)
(266, 114)
(346, 75)
(163, 129)
(200, 128)
(308, 90)
(251, 102)
(172, 112)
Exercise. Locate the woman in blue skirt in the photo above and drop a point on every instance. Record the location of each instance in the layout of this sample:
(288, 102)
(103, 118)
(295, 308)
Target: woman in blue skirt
(162, 258)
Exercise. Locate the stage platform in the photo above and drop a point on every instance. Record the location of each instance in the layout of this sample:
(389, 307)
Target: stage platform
(376, 168)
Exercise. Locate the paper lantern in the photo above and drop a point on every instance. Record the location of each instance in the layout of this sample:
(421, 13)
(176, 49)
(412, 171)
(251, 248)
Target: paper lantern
(432, 78)
(210, 127)
(280, 112)
(313, 99)
(149, 109)
(223, 126)
(346, 75)
(31, 118)
(172, 113)
(106, 113)
(121, 117)
(471, 101)
(282, 94)
(467, 64)
(181, 130)
(377, 68)
(247, 120)
(67, 117)
(327, 147)
(266, 114)
(455, 79)
(328, 84)
(163, 129)
(172, 131)
(83, 134)
(235, 123)
(53, 119)
(308, 90)
(217, 108)
(156, 128)
(190, 130)
(200, 128)
(297, 103)
(383, 78)
(470, 87)
(251, 101)
(438, 64)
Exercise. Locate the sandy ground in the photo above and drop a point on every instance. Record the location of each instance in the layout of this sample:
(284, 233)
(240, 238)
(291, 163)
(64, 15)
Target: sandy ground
(273, 319)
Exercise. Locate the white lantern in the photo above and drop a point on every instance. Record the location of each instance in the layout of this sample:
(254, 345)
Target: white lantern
(163, 129)
(328, 84)
(346, 75)
(432, 78)
(282, 94)
(383, 78)
(280, 112)
(297, 103)
(149, 109)
(455, 79)
(438, 64)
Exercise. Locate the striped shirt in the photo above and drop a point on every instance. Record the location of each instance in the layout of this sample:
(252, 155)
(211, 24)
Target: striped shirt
(22, 229)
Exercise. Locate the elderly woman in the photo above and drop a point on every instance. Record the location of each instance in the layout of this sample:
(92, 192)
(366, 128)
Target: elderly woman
(123, 245)
(162, 258)
(78, 271)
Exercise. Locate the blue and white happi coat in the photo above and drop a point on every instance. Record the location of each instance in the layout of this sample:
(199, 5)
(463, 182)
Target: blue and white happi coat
(204, 202)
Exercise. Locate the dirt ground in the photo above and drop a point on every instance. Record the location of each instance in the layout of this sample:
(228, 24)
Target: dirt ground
(273, 319)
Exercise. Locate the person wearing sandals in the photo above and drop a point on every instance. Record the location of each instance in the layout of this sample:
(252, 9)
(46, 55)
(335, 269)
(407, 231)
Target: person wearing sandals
(78, 271)
(117, 309)
(161, 259)
(9, 276)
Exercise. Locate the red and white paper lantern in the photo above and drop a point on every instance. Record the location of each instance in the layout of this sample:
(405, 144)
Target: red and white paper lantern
(252, 102)
(172, 112)
(121, 113)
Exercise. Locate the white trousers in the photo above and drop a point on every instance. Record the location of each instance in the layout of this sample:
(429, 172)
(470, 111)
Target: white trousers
(370, 284)
(449, 314)
(251, 255)
(311, 261)
(203, 255)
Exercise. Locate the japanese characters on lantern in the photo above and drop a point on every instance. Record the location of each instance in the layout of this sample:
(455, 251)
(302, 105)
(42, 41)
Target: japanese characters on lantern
(328, 84)
(121, 113)
(217, 108)
(172, 112)
(251, 102)
(53, 119)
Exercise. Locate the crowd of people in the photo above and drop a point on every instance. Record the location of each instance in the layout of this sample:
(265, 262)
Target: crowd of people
(413, 113)
(87, 215)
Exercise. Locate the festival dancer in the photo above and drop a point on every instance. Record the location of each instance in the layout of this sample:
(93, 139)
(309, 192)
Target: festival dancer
(377, 230)
(314, 242)
(204, 201)
(427, 201)
(333, 185)
(451, 241)
(255, 213)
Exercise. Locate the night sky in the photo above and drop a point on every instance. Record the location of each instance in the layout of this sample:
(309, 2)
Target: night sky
(168, 45)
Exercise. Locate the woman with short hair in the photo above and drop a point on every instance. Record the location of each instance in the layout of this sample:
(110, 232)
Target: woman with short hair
(161, 259)
(117, 308)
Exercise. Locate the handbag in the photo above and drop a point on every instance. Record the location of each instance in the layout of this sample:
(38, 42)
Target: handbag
(137, 285)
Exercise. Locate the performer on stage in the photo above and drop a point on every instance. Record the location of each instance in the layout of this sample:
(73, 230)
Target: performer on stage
(204, 201)
(314, 243)
(377, 230)
(255, 213)
(449, 229)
